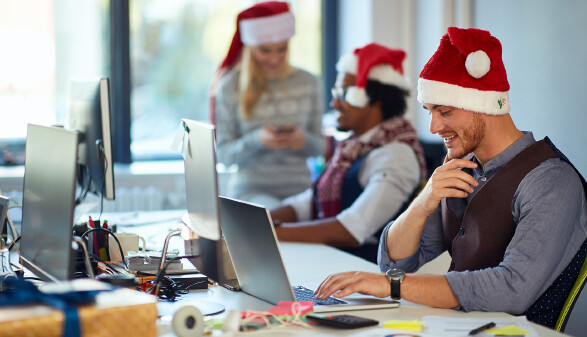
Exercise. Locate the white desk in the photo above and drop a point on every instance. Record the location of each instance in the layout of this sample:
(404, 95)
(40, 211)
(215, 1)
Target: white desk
(308, 265)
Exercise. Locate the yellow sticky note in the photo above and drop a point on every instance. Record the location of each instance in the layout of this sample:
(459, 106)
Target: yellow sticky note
(413, 325)
(510, 330)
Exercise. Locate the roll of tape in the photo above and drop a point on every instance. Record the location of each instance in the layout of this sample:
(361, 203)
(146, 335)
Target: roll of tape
(188, 321)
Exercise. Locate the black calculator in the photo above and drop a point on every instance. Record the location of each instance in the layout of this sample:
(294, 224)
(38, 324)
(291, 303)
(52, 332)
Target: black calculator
(343, 321)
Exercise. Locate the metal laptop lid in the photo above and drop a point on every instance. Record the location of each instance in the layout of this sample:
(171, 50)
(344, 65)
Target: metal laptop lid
(254, 250)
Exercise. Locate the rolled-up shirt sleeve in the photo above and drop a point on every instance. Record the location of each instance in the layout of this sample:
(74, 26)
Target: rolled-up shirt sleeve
(389, 176)
(431, 246)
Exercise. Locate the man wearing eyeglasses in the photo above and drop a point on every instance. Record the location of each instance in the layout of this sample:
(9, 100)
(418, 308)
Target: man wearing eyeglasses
(374, 173)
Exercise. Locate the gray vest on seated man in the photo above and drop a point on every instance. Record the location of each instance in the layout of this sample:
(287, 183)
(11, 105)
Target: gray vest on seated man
(480, 239)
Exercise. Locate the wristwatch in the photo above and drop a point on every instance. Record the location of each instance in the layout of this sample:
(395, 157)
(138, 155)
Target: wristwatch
(395, 277)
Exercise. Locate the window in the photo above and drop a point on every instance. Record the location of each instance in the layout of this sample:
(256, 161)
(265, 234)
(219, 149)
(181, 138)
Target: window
(175, 48)
(43, 49)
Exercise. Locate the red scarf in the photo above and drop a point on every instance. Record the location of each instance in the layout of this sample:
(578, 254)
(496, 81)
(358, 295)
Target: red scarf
(329, 185)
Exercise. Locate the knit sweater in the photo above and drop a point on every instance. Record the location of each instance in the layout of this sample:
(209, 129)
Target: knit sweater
(295, 100)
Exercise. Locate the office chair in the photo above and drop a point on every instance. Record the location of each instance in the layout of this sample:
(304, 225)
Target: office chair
(572, 318)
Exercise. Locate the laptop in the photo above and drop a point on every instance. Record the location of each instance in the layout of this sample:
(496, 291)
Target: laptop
(254, 249)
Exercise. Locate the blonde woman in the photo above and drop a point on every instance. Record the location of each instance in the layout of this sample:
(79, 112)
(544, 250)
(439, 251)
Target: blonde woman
(268, 114)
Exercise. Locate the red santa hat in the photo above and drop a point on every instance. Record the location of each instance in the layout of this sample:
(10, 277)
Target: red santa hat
(264, 22)
(466, 72)
(373, 62)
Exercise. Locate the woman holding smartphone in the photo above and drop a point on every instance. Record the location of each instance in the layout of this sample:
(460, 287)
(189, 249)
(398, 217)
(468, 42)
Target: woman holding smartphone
(268, 114)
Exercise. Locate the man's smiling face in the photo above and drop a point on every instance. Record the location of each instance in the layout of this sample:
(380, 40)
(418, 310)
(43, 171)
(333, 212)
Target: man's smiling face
(461, 130)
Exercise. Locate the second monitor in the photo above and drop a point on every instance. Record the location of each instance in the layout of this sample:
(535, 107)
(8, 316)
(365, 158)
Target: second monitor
(209, 249)
(89, 113)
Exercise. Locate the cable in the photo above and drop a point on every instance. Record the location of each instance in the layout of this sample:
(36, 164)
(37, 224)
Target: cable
(275, 321)
(164, 287)
(14, 245)
(85, 181)
(115, 239)
(10, 223)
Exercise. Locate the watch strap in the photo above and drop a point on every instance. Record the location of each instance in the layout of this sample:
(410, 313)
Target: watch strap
(395, 289)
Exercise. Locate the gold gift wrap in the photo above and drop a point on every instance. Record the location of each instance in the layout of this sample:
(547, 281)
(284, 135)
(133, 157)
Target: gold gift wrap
(121, 312)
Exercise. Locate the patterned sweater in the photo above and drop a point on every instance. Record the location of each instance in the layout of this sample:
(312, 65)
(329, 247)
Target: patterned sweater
(295, 100)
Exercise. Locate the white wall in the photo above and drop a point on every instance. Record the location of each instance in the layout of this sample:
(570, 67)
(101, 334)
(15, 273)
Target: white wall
(366, 21)
(353, 28)
(544, 51)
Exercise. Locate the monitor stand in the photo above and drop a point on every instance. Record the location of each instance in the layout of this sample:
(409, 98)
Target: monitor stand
(169, 308)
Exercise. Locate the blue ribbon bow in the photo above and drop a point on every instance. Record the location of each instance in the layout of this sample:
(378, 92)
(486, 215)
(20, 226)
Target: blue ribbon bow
(20, 292)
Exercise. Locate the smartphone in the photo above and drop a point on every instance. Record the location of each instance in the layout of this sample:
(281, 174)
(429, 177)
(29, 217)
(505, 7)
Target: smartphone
(285, 129)
(343, 321)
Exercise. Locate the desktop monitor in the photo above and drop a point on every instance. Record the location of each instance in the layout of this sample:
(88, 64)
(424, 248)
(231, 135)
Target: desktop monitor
(89, 113)
(48, 202)
(203, 217)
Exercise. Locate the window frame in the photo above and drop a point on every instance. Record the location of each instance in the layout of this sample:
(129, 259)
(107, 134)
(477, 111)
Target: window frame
(121, 70)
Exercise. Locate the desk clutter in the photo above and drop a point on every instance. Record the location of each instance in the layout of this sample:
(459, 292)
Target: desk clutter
(80, 307)
(188, 321)
(117, 256)
(89, 308)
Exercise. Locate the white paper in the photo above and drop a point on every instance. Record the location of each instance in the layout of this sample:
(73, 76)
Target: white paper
(461, 326)
(181, 140)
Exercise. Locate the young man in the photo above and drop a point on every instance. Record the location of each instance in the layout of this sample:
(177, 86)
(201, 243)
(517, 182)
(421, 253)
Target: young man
(510, 210)
(372, 174)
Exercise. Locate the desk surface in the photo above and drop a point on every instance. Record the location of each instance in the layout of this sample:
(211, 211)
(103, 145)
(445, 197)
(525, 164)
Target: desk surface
(308, 265)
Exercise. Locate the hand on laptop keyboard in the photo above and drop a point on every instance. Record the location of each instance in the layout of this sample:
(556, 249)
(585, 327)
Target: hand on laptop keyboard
(305, 294)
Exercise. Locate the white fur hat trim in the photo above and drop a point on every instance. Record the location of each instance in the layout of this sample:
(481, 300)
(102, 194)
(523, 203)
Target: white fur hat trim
(267, 29)
(382, 73)
(347, 64)
(442, 93)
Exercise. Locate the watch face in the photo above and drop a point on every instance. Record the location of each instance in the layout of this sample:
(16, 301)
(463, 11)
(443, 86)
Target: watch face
(395, 274)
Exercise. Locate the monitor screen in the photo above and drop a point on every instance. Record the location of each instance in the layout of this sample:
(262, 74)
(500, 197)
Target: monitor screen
(203, 216)
(48, 202)
(89, 113)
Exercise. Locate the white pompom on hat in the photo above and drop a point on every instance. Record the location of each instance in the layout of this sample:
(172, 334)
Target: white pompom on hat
(372, 62)
(466, 72)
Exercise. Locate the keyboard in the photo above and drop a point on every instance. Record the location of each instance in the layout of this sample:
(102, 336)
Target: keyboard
(305, 294)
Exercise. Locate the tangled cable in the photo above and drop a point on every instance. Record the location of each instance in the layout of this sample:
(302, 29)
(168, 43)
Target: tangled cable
(273, 321)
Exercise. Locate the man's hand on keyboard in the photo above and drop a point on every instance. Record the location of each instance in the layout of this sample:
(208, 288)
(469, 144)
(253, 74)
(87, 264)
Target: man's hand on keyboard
(305, 294)
(347, 283)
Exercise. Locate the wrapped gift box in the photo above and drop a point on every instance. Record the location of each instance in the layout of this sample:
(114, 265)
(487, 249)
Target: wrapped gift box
(120, 312)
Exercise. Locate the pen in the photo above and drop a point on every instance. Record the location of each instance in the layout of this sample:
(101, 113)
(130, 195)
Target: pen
(481, 328)
(106, 243)
(94, 237)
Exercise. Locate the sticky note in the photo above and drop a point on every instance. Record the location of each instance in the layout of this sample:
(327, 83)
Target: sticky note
(510, 330)
(290, 308)
(413, 325)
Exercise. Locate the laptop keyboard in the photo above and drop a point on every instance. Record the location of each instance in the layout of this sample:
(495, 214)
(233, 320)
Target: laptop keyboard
(305, 294)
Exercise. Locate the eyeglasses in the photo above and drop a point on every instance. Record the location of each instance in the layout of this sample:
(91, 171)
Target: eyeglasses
(338, 93)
